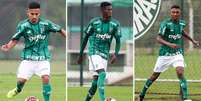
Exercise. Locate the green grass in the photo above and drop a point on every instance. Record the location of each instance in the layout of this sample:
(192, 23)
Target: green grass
(120, 93)
(33, 86)
(144, 65)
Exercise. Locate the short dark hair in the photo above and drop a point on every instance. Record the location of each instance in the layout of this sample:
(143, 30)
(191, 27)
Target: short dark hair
(104, 4)
(34, 5)
(175, 6)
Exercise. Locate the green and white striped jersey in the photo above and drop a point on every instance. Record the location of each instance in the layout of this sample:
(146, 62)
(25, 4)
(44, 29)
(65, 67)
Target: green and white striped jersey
(36, 38)
(100, 34)
(172, 32)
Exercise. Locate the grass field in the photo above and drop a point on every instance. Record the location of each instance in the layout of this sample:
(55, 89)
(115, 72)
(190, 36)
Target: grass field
(120, 93)
(168, 91)
(33, 86)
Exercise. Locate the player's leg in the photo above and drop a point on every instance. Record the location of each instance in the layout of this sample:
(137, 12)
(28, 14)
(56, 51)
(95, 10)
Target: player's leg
(183, 82)
(178, 62)
(162, 64)
(99, 64)
(148, 83)
(23, 74)
(43, 70)
(18, 89)
(101, 83)
(92, 89)
(46, 87)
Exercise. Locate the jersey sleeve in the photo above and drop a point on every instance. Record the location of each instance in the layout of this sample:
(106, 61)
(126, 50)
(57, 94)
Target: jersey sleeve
(89, 29)
(162, 29)
(54, 27)
(117, 36)
(117, 33)
(183, 25)
(19, 32)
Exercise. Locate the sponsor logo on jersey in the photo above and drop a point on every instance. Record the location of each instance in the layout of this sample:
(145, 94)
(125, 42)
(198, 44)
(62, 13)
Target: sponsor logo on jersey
(35, 57)
(145, 14)
(103, 36)
(37, 37)
(178, 36)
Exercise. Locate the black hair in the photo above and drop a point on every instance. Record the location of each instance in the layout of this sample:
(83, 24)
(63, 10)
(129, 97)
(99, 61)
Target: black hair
(175, 6)
(34, 5)
(104, 4)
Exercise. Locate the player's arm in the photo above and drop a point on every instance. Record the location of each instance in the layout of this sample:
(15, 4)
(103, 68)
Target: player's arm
(118, 45)
(83, 45)
(15, 38)
(117, 37)
(186, 35)
(9, 45)
(164, 42)
(56, 28)
(87, 33)
(117, 49)
(63, 32)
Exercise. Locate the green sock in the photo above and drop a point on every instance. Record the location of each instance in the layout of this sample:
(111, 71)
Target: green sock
(46, 92)
(92, 90)
(101, 85)
(146, 86)
(183, 86)
(20, 85)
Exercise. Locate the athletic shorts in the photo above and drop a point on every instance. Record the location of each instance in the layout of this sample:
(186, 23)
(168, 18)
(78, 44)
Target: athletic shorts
(96, 62)
(28, 68)
(165, 62)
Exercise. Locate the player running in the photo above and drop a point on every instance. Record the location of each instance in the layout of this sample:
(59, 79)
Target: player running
(35, 55)
(100, 33)
(171, 52)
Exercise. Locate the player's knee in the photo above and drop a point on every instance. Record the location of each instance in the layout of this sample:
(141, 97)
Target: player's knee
(180, 71)
(154, 76)
(95, 77)
(100, 71)
(45, 79)
(22, 80)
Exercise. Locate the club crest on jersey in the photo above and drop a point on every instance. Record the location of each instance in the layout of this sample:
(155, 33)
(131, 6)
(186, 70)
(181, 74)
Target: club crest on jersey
(103, 36)
(145, 14)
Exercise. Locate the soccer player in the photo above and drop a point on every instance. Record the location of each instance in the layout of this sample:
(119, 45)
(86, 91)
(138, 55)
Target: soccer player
(100, 33)
(35, 55)
(171, 52)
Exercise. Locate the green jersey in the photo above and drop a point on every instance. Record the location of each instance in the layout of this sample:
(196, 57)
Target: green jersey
(172, 32)
(100, 34)
(36, 38)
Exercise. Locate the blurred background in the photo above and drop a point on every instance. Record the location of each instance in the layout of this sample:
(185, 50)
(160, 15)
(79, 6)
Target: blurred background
(146, 53)
(120, 73)
(12, 12)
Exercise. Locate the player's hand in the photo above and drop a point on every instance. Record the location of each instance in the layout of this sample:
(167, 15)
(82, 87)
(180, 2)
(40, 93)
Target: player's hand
(79, 60)
(196, 43)
(113, 58)
(5, 48)
(172, 45)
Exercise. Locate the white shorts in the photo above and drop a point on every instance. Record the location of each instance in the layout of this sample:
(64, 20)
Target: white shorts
(165, 62)
(96, 62)
(28, 68)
